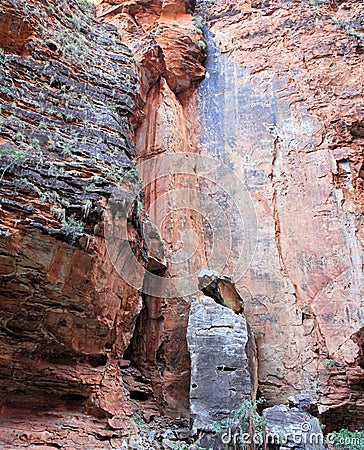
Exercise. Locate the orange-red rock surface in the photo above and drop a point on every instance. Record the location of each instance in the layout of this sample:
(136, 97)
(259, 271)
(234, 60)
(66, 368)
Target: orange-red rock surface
(168, 45)
(281, 106)
(291, 79)
(66, 315)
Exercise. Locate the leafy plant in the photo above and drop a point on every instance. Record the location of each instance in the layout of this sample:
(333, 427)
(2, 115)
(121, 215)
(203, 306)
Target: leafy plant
(59, 213)
(347, 26)
(72, 225)
(67, 149)
(331, 363)
(202, 44)
(198, 24)
(87, 5)
(9, 157)
(138, 419)
(247, 412)
(258, 333)
(353, 440)
(245, 417)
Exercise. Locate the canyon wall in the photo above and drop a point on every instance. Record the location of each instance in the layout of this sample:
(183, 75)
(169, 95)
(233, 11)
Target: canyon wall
(168, 46)
(160, 138)
(68, 88)
(282, 102)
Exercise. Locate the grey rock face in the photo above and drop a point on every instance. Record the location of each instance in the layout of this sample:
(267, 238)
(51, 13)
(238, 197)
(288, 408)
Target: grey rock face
(221, 351)
(292, 428)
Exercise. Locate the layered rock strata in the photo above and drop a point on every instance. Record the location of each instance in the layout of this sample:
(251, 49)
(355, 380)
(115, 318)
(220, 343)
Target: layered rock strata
(68, 87)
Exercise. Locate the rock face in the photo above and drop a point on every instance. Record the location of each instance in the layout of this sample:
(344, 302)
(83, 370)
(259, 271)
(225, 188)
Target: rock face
(165, 37)
(167, 43)
(93, 346)
(282, 104)
(221, 289)
(68, 86)
(223, 367)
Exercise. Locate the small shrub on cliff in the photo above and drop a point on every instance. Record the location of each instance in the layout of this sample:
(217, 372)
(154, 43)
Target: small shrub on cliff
(86, 5)
(72, 225)
(138, 419)
(244, 417)
(202, 44)
(247, 413)
(198, 24)
(331, 363)
(10, 157)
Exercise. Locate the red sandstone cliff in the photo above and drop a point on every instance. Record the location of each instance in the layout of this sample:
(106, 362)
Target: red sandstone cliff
(68, 86)
(292, 79)
(281, 106)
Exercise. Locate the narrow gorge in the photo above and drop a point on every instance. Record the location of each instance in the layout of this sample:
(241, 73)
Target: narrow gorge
(181, 224)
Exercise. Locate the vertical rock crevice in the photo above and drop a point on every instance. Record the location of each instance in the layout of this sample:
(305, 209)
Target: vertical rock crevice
(167, 43)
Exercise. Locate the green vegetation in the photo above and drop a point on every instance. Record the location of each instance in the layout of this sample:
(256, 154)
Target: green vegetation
(244, 418)
(138, 419)
(202, 44)
(198, 24)
(258, 333)
(87, 5)
(58, 212)
(247, 412)
(72, 226)
(331, 363)
(58, 140)
(10, 157)
(77, 47)
(347, 26)
(345, 439)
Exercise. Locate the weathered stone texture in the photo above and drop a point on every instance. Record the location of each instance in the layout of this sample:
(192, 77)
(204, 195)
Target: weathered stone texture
(68, 86)
(223, 366)
(168, 45)
(282, 103)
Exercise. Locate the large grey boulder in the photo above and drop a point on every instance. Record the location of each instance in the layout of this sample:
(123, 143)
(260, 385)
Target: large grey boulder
(293, 428)
(223, 367)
